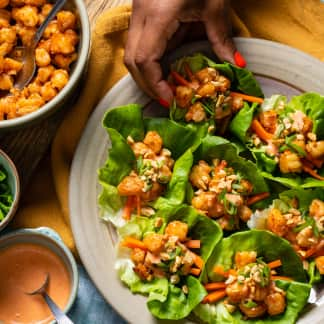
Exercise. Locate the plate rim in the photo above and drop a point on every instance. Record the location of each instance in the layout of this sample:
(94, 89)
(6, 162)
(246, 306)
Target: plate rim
(77, 161)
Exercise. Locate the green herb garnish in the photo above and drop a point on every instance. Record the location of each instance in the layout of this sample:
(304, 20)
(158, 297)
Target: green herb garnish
(297, 149)
(177, 113)
(250, 304)
(309, 221)
(6, 197)
(265, 275)
(209, 106)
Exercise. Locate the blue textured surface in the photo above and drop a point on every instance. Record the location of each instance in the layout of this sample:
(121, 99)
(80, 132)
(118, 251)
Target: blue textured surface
(89, 306)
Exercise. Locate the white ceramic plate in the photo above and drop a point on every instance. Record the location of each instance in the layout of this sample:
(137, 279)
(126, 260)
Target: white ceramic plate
(280, 69)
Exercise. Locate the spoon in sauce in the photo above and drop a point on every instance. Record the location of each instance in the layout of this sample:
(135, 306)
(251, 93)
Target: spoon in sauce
(26, 54)
(60, 317)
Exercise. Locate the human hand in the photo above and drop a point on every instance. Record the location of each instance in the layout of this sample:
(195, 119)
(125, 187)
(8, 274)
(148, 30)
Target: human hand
(154, 23)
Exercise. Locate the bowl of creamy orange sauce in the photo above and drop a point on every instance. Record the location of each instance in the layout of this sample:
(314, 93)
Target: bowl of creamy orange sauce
(26, 256)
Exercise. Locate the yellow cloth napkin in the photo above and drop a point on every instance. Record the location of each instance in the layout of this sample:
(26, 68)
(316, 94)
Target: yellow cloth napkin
(45, 202)
(297, 23)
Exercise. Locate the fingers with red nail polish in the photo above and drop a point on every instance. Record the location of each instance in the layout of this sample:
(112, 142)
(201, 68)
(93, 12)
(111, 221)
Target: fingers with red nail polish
(163, 103)
(239, 59)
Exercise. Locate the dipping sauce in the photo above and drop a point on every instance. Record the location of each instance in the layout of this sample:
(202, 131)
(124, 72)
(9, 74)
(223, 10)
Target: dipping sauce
(23, 267)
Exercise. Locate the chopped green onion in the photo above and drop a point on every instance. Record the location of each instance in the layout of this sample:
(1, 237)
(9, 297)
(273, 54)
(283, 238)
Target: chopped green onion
(139, 164)
(176, 113)
(6, 197)
(250, 304)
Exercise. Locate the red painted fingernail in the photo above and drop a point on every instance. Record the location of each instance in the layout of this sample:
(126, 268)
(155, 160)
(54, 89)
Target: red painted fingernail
(239, 59)
(163, 103)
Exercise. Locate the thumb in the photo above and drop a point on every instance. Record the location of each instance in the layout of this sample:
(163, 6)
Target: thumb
(218, 28)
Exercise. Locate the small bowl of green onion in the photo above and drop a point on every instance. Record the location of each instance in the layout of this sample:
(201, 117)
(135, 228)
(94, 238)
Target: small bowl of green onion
(9, 189)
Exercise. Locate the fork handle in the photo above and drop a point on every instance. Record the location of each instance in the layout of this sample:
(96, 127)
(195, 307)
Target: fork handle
(60, 317)
(57, 6)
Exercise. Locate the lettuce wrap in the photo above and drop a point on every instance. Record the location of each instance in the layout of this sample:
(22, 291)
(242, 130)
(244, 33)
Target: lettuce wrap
(269, 247)
(242, 79)
(209, 93)
(128, 121)
(270, 156)
(306, 222)
(204, 195)
(168, 300)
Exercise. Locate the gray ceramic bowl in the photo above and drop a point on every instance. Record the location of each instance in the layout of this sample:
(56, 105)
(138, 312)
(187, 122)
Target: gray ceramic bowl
(14, 184)
(50, 239)
(77, 72)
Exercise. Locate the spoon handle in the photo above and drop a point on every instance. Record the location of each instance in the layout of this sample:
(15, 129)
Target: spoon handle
(60, 317)
(57, 6)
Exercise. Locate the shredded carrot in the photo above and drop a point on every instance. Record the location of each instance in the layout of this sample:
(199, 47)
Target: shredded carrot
(189, 73)
(129, 207)
(138, 205)
(195, 271)
(295, 246)
(214, 296)
(281, 278)
(215, 286)
(247, 97)
(310, 252)
(232, 272)
(319, 253)
(316, 250)
(308, 163)
(193, 244)
(222, 165)
(180, 79)
(258, 129)
(312, 172)
(274, 264)
(218, 269)
(198, 261)
(252, 200)
(318, 163)
(133, 243)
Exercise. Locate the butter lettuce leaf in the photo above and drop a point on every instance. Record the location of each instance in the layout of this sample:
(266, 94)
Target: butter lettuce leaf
(200, 227)
(242, 121)
(213, 147)
(166, 300)
(270, 247)
(179, 181)
(313, 274)
(125, 121)
(312, 104)
(263, 242)
(293, 180)
(177, 138)
(245, 81)
(296, 296)
(242, 79)
(284, 203)
(178, 305)
(304, 197)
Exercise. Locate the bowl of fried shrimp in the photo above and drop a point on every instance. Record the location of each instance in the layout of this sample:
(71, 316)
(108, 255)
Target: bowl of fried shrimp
(61, 59)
